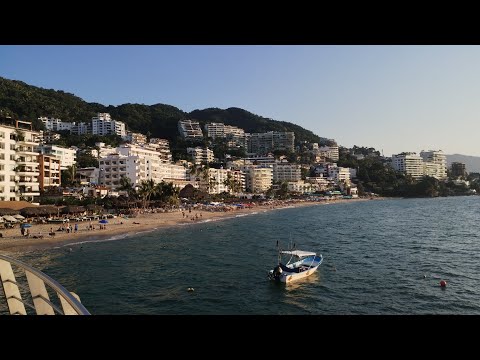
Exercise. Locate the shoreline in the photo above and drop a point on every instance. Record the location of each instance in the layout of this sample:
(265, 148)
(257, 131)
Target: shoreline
(12, 241)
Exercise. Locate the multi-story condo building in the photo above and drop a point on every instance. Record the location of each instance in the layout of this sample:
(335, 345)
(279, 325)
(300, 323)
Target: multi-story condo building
(458, 169)
(302, 187)
(409, 163)
(88, 175)
(53, 124)
(50, 173)
(19, 167)
(135, 138)
(235, 135)
(138, 168)
(330, 152)
(217, 181)
(263, 143)
(286, 172)
(190, 129)
(258, 179)
(439, 159)
(81, 128)
(163, 147)
(68, 157)
(49, 137)
(339, 174)
(115, 166)
(200, 155)
(103, 124)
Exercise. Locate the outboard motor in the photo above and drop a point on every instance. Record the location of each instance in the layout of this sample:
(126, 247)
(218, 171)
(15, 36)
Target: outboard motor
(277, 272)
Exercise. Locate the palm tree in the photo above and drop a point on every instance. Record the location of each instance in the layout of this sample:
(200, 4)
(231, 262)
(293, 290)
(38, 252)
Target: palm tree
(127, 185)
(146, 190)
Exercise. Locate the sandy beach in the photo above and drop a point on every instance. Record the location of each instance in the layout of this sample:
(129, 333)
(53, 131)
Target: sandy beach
(13, 241)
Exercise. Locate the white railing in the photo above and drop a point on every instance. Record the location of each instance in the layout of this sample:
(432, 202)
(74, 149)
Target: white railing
(20, 296)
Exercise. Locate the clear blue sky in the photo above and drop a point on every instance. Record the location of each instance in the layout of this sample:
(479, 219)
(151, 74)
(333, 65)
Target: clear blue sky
(395, 98)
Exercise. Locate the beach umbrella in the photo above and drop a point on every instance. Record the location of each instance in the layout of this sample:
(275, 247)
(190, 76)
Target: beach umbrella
(103, 221)
(19, 217)
(26, 225)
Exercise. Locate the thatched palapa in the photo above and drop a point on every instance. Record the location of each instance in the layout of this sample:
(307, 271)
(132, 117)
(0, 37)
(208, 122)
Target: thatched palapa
(6, 211)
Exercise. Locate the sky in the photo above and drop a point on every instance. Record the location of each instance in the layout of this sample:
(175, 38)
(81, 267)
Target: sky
(392, 98)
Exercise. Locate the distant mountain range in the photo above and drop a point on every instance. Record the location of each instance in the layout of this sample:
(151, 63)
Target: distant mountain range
(472, 163)
(27, 102)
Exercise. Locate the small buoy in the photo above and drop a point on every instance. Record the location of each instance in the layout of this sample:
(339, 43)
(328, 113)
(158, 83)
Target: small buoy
(424, 276)
(443, 283)
(190, 289)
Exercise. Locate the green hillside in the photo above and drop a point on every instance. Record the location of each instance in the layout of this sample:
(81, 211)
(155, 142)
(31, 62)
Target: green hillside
(27, 102)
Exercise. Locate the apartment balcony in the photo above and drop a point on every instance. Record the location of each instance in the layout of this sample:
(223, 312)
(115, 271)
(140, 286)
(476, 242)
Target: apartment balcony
(25, 151)
(26, 161)
(30, 193)
(27, 173)
(27, 142)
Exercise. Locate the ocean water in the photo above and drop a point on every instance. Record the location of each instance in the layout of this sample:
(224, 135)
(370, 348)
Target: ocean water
(376, 254)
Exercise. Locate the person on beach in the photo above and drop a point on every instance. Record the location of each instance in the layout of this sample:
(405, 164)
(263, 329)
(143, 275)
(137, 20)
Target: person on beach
(76, 227)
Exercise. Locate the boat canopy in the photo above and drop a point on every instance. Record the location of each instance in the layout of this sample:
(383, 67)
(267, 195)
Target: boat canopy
(298, 253)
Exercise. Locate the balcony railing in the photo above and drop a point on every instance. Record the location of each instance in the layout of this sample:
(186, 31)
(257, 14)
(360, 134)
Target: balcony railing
(32, 293)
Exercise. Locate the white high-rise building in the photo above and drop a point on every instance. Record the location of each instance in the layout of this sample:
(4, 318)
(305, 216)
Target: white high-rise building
(235, 135)
(68, 157)
(216, 181)
(330, 152)
(286, 172)
(437, 163)
(103, 124)
(258, 179)
(409, 163)
(200, 155)
(19, 166)
(53, 124)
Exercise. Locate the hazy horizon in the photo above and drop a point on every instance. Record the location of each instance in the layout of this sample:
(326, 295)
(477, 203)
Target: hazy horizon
(393, 98)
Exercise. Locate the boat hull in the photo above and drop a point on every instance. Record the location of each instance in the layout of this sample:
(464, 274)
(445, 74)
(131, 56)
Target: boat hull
(298, 270)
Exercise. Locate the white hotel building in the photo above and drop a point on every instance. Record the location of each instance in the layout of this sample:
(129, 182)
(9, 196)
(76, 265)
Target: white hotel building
(103, 124)
(139, 163)
(430, 163)
(286, 172)
(19, 167)
(216, 180)
(409, 163)
(200, 155)
(258, 179)
(435, 164)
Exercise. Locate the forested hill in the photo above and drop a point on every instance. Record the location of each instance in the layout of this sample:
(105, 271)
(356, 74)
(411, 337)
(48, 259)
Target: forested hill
(28, 102)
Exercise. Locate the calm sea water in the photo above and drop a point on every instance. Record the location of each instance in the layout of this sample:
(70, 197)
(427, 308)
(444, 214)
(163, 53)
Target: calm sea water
(376, 254)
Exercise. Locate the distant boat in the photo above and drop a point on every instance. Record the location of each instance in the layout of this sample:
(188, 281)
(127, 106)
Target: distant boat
(299, 265)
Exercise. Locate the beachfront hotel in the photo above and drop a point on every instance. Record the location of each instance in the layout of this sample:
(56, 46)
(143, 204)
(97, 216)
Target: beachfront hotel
(258, 179)
(215, 183)
(19, 167)
(286, 172)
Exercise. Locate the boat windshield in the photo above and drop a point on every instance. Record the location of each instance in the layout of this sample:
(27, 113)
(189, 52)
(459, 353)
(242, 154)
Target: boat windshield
(299, 253)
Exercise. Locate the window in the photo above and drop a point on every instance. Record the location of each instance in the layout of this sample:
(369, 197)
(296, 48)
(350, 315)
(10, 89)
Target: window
(12, 188)
(2, 156)
(12, 177)
(12, 157)
(2, 177)
(12, 146)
